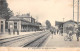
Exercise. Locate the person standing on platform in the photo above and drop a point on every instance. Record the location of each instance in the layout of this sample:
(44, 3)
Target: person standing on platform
(17, 32)
(52, 31)
(57, 31)
(14, 32)
(9, 31)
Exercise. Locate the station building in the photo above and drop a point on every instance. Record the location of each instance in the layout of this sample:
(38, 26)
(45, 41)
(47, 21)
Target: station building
(23, 23)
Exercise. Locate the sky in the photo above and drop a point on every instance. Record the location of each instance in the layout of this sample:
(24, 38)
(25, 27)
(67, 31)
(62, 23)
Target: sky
(52, 10)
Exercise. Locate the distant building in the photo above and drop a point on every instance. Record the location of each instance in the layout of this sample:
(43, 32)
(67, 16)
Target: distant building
(65, 25)
(43, 28)
(2, 25)
(23, 23)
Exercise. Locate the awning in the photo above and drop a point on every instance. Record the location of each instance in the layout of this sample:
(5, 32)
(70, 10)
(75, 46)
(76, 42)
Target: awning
(32, 24)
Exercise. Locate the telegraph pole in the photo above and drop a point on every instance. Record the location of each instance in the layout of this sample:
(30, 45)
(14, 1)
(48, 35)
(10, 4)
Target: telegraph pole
(73, 10)
(78, 13)
(73, 13)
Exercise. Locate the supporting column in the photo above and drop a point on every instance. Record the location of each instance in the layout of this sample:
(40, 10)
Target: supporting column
(22, 28)
(27, 27)
(4, 26)
(19, 26)
(0, 26)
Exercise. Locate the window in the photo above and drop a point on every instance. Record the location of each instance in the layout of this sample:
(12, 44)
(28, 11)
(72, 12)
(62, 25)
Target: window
(15, 25)
(1, 21)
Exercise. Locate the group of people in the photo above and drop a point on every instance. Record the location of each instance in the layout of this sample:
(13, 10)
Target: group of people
(77, 32)
(53, 30)
(70, 33)
(56, 31)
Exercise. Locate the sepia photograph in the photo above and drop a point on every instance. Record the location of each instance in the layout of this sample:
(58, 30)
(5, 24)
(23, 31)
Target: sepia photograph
(40, 24)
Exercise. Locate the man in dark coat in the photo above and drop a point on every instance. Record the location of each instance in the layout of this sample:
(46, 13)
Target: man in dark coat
(78, 33)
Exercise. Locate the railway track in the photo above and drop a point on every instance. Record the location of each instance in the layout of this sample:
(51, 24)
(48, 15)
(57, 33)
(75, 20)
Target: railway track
(14, 39)
(38, 42)
(20, 41)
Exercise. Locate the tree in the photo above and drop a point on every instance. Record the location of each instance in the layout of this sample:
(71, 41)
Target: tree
(48, 24)
(5, 12)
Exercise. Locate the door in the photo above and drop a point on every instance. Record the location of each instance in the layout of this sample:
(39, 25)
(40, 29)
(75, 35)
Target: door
(15, 25)
(1, 28)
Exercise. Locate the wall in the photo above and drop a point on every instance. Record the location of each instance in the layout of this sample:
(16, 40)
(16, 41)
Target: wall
(11, 25)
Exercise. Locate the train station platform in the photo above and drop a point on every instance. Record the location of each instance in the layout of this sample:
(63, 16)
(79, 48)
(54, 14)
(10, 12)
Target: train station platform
(58, 41)
(7, 35)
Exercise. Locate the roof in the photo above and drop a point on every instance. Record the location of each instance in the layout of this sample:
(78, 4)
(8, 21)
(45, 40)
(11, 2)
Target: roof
(24, 22)
(2, 18)
(14, 18)
(25, 16)
(61, 23)
(19, 17)
(71, 21)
